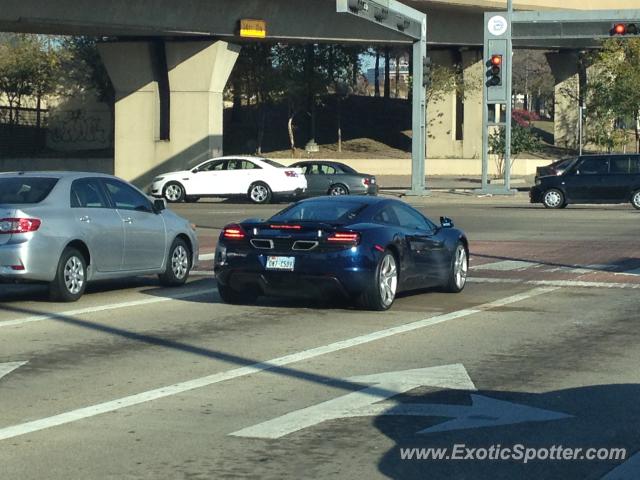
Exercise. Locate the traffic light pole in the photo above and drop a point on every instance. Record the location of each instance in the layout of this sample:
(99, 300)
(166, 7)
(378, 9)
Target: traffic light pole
(419, 115)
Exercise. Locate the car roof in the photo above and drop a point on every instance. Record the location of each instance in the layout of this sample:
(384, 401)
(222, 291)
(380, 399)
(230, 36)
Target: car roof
(363, 199)
(56, 174)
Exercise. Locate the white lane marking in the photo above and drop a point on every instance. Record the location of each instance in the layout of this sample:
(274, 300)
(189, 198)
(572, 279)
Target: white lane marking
(202, 273)
(386, 385)
(175, 389)
(556, 283)
(506, 266)
(597, 267)
(7, 368)
(206, 257)
(104, 308)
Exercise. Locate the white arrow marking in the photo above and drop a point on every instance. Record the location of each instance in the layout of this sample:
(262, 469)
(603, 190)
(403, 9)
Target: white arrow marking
(483, 412)
(387, 385)
(7, 368)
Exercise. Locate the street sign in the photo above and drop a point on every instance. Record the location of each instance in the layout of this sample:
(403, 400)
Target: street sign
(253, 28)
(483, 411)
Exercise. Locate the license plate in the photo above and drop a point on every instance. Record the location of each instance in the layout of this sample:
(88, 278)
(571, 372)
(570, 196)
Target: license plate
(281, 263)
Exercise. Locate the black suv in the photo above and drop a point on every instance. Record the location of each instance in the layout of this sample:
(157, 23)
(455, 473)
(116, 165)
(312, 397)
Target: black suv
(591, 179)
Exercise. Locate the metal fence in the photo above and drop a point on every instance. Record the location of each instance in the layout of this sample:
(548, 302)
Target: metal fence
(22, 130)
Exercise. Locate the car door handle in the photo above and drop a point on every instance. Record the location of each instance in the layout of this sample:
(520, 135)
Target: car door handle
(127, 220)
(85, 219)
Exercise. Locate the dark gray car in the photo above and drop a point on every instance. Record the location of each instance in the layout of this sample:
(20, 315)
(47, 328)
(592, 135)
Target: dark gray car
(67, 229)
(334, 178)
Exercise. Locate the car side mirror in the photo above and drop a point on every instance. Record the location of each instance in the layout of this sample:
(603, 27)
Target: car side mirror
(195, 170)
(159, 204)
(446, 222)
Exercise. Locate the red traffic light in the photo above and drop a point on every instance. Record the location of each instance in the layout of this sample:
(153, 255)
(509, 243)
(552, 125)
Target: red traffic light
(619, 29)
(496, 60)
(624, 29)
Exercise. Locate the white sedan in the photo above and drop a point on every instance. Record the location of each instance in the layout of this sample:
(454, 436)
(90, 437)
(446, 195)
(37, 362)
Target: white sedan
(259, 179)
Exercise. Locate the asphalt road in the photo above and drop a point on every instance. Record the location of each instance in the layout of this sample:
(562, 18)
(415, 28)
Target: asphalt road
(140, 382)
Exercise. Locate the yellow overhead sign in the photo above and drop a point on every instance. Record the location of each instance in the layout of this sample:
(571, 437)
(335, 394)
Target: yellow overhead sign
(253, 28)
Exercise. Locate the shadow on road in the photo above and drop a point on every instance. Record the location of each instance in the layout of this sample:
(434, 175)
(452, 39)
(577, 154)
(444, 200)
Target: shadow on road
(600, 417)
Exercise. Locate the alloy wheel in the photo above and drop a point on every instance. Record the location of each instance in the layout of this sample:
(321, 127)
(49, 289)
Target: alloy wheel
(388, 279)
(337, 190)
(74, 275)
(180, 262)
(259, 193)
(173, 193)
(460, 267)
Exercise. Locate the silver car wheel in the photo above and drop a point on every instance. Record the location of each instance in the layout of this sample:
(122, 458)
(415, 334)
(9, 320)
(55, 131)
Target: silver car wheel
(173, 193)
(337, 190)
(552, 198)
(74, 275)
(259, 193)
(636, 200)
(460, 267)
(388, 279)
(180, 262)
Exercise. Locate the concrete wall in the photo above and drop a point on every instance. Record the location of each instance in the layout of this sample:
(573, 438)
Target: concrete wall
(100, 165)
(435, 166)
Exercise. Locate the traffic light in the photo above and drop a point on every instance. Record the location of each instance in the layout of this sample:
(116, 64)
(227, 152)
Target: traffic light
(494, 71)
(621, 29)
(426, 72)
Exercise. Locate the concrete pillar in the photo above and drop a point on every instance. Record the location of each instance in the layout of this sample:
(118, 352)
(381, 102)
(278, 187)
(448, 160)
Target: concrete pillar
(197, 73)
(472, 63)
(565, 67)
(441, 116)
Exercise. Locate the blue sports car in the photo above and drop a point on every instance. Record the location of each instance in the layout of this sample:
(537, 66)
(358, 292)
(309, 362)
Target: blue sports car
(364, 248)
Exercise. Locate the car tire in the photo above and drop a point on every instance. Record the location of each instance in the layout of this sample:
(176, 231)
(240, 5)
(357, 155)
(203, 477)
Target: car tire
(381, 293)
(553, 198)
(458, 271)
(179, 264)
(260, 193)
(190, 199)
(173, 192)
(635, 199)
(234, 297)
(338, 189)
(71, 277)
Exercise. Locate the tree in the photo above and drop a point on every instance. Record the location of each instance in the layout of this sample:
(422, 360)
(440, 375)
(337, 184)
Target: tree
(85, 69)
(29, 66)
(523, 139)
(533, 78)
(613, 94)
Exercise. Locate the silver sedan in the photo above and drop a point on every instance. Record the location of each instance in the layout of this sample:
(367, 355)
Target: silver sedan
(68, 229)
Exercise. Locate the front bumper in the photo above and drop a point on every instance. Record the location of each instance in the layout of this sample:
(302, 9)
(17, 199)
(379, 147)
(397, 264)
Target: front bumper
(535, 194)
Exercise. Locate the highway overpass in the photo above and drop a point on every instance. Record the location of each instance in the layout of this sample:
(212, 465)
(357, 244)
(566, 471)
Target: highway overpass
(187, 49)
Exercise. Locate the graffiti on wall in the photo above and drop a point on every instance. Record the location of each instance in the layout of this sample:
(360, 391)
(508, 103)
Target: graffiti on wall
(80, 129)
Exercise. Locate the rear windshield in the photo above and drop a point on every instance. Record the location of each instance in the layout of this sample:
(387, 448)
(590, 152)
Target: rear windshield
(322, 211)
(272, 163)
(25, 190)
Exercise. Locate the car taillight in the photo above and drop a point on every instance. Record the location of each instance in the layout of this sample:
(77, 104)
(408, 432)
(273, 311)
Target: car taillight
(347, 238)
(19, 225)
(233, 232)
(290, 173)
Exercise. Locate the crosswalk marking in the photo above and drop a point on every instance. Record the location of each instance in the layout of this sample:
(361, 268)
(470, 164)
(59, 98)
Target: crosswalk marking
(506, 265)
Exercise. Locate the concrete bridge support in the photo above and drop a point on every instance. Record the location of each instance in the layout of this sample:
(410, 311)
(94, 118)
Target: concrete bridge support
(169, 103)
(567, 70)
